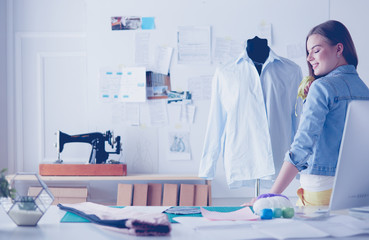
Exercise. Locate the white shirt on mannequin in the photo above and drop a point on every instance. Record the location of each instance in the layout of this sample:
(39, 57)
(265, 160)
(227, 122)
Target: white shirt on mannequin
(252, 118)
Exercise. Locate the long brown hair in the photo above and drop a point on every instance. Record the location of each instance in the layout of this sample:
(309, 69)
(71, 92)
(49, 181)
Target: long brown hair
(335, 32)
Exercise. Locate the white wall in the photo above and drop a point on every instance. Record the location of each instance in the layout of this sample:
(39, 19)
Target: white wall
(59, 47)
(3, 88)
(354, 15)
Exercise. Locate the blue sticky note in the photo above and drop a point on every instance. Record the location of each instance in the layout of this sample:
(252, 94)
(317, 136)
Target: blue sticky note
(148, 23)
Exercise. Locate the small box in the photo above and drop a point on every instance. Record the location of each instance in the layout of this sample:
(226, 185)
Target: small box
(63, 194)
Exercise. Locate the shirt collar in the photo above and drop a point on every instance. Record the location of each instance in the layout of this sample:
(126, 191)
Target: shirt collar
(244, 57)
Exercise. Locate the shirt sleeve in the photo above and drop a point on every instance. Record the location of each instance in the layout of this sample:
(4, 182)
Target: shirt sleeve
(214, 131)
(297, 104)
(315, 110)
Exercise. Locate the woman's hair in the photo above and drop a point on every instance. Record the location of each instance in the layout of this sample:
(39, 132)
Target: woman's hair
(335, 32)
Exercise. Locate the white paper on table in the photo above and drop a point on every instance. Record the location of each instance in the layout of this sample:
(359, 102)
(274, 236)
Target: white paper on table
(287, 228)
(203, 223)
(235, 232)
(243, 214)
(341, 225)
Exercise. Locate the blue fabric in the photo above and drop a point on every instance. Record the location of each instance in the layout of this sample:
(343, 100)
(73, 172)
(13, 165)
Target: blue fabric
(251, 118)
(93, 218)
(317, 142)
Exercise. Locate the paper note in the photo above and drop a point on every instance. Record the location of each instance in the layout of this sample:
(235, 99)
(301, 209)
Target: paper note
(265, 31)
(126, 112)
(148, 23)
(295, 50)
(194, 44)
(142, 50)
(133, 84)
(163, 59)
(243, 214)
(226, 49)
(187, 113)
(109, 84)
(200, 87)
(158, 113)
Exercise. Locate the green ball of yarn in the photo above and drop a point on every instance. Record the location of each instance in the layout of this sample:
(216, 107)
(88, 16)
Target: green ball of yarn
(288, 212)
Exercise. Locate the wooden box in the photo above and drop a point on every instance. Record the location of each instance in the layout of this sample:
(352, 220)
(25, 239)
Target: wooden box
(83, 169)
(63, 194)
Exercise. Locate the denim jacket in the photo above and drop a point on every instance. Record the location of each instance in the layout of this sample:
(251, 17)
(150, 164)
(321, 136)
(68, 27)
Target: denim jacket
(317, 142)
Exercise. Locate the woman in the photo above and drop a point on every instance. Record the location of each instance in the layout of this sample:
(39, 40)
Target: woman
(332, 61)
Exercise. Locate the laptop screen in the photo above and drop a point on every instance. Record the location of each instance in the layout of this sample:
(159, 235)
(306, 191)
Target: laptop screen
(351, 186)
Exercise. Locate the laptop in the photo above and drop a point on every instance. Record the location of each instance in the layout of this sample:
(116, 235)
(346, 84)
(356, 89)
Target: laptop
(351, 184)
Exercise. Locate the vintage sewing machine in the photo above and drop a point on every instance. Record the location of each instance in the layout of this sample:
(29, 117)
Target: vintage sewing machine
(97, 140)
(99, 165)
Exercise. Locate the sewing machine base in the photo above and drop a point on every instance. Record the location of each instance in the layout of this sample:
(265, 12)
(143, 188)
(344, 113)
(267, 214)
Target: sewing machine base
(83, 169)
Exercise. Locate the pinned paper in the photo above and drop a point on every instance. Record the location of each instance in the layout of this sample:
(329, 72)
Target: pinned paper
(148, 23)
(265, 31)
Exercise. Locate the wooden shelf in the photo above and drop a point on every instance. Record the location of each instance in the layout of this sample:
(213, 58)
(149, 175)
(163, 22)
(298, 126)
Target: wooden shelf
(135, 177)
(166, 178)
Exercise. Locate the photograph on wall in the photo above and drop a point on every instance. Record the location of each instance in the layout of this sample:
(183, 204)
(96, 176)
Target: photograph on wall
(125, 23)
(157, 85)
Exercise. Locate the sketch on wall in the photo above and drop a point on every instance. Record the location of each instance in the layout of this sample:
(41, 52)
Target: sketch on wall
(179, 146)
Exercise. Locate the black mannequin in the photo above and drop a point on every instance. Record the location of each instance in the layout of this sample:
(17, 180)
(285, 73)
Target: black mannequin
(258, 50)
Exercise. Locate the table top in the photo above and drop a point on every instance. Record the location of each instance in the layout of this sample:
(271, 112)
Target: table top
(50, 227)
